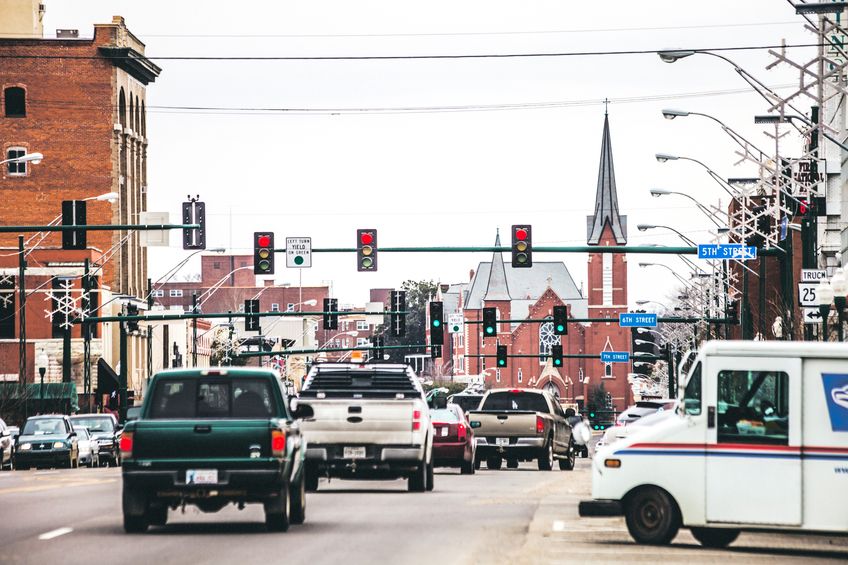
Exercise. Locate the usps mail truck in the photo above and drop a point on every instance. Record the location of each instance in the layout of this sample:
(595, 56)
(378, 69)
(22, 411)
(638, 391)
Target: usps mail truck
(759, 442)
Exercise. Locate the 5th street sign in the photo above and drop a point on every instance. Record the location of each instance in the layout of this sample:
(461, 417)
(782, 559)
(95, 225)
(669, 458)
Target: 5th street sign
(726, 251)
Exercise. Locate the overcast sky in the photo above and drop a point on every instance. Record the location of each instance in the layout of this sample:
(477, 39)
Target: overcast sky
(442, 177)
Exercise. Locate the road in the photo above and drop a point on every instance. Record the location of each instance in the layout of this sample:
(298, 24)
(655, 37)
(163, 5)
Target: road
(507, 516)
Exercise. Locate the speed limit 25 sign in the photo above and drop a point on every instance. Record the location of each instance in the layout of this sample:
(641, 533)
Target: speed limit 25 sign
(807, 294)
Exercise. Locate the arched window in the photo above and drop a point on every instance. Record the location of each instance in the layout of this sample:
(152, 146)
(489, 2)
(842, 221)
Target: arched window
(547, 339)
(608, 370)
(15, 102)
(143, 120)
(497, 375)
(520, 375)
(130, 121)
(137, 116)
(122, 109)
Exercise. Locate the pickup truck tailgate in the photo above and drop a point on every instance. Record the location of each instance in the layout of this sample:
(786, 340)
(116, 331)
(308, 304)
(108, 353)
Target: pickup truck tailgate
(496, 423)
(368, 421)
(196, 440)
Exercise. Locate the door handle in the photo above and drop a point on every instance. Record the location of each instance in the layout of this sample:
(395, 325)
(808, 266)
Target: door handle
(202, 429)
(711, 417)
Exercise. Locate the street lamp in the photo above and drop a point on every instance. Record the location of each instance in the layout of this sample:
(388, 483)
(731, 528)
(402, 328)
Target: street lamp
(673, 55)
(657, 192)
(820, 7)
(686, 283)
(644, 302)
(664, 157)
(825, 296)
(110, 197)
(645, 227)
(670, 114)
(34, 158)
(770, 119)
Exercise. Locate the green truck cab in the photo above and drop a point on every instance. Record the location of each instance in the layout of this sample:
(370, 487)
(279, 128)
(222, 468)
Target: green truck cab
(211, 437)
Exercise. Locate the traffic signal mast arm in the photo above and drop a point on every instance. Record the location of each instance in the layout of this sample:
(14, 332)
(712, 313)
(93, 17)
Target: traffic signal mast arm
(190, 315)
(90, 227)
(649, 250)
(324, 350)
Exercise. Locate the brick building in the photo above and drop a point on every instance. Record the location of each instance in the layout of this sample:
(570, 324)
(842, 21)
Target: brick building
(81, 103)
(531, 293)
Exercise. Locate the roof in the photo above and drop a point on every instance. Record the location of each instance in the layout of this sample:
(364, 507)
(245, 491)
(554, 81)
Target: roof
(528, 284)
(776, 349)
(606, 198)
(497, 287)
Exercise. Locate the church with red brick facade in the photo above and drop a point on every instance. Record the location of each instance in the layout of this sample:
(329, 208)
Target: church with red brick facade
(530, 294)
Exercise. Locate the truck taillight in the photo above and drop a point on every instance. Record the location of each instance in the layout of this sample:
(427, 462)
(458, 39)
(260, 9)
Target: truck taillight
(540, 425)
(461, 431)
(416, 420)
(126, 445)
(278, 443)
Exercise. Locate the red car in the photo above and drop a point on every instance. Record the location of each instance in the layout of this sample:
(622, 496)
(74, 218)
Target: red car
(453, 439)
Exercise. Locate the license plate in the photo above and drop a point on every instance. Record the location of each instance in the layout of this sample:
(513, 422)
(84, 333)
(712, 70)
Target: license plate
(202, 476)
(444, 432)
(501, 441)
(354, 453)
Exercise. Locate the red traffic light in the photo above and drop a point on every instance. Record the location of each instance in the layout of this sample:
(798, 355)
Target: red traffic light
(521, 234)
(263, 241)
(366, 238)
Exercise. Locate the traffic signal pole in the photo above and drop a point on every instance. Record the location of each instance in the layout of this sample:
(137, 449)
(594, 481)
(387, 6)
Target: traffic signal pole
(22, 362)
(122, 327)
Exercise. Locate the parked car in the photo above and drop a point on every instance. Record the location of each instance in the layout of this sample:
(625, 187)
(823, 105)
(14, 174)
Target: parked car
(104, 429)
(47, 441)
(453, 439)
(522, 424)
(7, 445)
(636, 415)
(89, 451)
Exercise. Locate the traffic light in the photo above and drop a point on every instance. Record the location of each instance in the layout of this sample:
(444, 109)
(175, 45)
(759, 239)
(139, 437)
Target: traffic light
(501, 356)
(366, 250)
(251, 323)
(331, 317)
(560, 320)
(435, 351)
(73, 214)
(733, 311)
(132, 325)
(397, 321)
(642, 343)
(437, 326)
(556, 355)
(522, 246)
(263, 253)
(194, 212)
(379, 352)
(490, 322)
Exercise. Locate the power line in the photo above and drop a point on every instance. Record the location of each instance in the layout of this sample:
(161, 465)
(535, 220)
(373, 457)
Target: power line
(412, 57)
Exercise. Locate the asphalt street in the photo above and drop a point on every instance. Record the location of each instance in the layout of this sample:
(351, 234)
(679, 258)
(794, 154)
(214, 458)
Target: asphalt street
(506, 516)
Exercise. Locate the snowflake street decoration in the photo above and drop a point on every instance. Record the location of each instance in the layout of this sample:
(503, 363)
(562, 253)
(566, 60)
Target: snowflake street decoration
(68, 307)
(7, 282)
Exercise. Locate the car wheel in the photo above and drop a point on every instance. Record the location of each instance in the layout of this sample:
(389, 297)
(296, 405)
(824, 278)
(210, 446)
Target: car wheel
(298, 500)
(277, 512)
(477, 463)
(512, 463)
(467, 467)
(134, 504)
(546, 460)
(494, 463)
(157, 515)
(715, 537)
(567, 464)
(652, 516)
(430, 476)
(417, 481)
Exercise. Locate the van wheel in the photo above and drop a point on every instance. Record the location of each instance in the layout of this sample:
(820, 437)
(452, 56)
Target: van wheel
(298, 501)
(652, 516)
(494, 463)
(715, 537)
(417, 481)
(546, 460)
(430, 476)
(278, 511)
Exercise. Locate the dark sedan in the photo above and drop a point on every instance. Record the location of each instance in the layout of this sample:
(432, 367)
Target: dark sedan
(453, 439)
(47, 441)
(105, 431)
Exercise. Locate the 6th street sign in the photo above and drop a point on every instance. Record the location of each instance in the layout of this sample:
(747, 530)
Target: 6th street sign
(298, 252)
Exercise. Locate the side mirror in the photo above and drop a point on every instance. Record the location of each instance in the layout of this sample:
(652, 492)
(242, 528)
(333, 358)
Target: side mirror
(475, 424)
(303, 412)
(569, 412)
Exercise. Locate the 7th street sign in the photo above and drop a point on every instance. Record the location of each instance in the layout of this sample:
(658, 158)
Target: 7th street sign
(298, 252)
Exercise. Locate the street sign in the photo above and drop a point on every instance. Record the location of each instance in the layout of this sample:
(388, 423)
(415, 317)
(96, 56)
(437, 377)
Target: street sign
(637, 320)
(455, 323)
(813, 275)
(807, 295)
(298, 252)
(812, 316)
(726, 251)
(154, 238)
(615, 356)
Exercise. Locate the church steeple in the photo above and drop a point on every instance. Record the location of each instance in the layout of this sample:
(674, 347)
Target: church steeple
(497, 288)
(606, 198)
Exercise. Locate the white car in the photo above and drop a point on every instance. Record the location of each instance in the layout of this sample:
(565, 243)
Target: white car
(626, 426)
(89, 451)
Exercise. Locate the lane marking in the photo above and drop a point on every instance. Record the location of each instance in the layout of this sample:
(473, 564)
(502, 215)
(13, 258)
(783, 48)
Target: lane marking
(55, 533)
(45, 487)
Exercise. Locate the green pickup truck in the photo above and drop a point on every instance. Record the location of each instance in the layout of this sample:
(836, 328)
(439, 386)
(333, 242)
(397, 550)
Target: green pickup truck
(213, 437)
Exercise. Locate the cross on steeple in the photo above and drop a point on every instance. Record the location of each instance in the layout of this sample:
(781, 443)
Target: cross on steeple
(606, 106)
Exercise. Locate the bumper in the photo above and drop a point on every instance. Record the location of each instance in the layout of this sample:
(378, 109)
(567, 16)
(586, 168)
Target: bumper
(379, 460)
(232, 482)
(449, 453)
(42, 457)
(595, 508)
(518, 448)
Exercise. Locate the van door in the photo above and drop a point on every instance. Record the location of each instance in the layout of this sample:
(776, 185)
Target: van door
(753, 440)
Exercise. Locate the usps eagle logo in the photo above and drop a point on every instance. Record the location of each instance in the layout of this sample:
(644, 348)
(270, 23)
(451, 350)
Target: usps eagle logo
(836, 395)
(840, 396)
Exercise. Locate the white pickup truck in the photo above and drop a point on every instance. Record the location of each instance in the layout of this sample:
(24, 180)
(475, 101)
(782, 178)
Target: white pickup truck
(371, 422)
(759, 442)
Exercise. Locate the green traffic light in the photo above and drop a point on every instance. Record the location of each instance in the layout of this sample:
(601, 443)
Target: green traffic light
(367, 262)
(560, 327)
(591, 414)
(557, 362)
(501, 362)
(437, 323)
(490, 329)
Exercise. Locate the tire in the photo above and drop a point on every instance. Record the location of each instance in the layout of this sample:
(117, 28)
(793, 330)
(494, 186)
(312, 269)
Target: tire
(715, 537)
(494, 463)
(157, 515)
(512, 463)
(652, 516)
(477, 463)
(298, 500)
(567, 464)
(467, 467)
(417, 481)
(135, 508)
(430, 476)
(310, 478)
(278, 512)
(546, 460)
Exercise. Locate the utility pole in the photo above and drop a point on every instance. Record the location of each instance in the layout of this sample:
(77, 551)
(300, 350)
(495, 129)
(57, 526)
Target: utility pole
(123, 372)
(194, 329)
(22, 352)
(86, 333)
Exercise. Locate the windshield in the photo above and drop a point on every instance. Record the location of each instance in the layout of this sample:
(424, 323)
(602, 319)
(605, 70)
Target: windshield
(692, 394)
(82, 433)
(95, 423)
(44, 426)
(201, 398)
(444, 415)
(515, 401)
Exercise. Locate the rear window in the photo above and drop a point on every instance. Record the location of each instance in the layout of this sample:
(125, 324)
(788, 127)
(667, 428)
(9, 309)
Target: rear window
(198, 398)
(466, 401)
(95, 423)
(444, 415)
(515, 401)
(341, 382)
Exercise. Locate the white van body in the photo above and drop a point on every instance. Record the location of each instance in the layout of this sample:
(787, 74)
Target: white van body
(759, 441)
